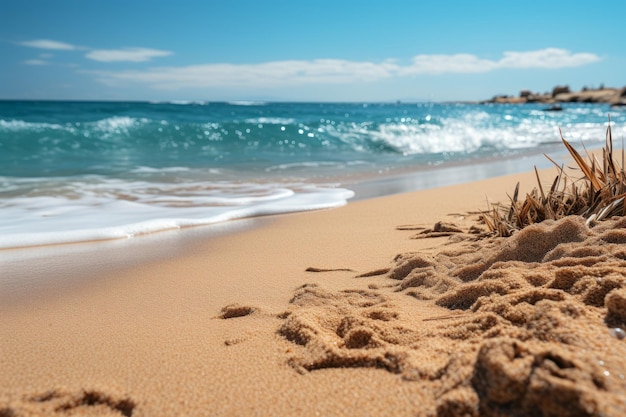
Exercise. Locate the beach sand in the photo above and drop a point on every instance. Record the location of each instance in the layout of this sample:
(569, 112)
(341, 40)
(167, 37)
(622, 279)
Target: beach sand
(352, 311)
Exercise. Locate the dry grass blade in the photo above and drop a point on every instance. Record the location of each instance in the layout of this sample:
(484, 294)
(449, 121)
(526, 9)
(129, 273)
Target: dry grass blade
(513, 203)
(599, 194)
(543, 196)
(582, 164)
(622, 170)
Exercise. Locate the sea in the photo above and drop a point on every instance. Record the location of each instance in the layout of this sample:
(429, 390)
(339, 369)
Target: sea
(74, 172)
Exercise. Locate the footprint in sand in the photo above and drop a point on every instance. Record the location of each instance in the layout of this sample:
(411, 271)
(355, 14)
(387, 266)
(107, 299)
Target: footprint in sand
(59, 403)
(235, 310)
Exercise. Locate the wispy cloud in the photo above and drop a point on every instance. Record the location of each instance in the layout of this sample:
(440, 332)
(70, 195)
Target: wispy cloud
(49, 44)
(42, 60)
(126, 54)
(440, 64)
(101, 55)
(35, 62)
(332, 71)
(266, 74)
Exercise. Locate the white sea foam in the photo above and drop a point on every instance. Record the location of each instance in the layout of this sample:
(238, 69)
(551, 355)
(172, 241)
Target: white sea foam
(101, 209)
(272, 120)
(246, 103)
(116, 124)
(180, 102)
(109, 125)
(306, 166)
(151, 170)
(17, 125)
(462, 135)
(187, 102)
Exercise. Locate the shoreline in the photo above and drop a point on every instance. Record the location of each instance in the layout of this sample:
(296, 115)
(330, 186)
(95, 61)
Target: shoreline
(325, 192)
(25, 266)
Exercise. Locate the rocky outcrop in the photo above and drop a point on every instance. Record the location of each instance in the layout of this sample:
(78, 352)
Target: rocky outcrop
(621, 100)
(562, 94)
(560, 89)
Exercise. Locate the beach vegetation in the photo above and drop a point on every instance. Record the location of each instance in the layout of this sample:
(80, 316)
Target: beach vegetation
(592, 188)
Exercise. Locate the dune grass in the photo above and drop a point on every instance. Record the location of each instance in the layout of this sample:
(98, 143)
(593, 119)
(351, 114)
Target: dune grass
(597, 194)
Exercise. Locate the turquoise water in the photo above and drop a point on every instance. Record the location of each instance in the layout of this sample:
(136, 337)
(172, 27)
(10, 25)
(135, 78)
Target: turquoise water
(75, 171)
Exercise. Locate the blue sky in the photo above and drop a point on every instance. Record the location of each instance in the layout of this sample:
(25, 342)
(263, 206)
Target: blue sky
(351, 50)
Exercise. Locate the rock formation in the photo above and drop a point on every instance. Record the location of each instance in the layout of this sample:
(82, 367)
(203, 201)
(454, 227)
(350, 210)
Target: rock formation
(562, 94)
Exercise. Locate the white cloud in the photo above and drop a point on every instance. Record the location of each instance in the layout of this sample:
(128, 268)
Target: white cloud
(333, 71)
(49, 44)
(35, 62)
(549, 58)
(546, 58)
(264, 74)
(126, 55)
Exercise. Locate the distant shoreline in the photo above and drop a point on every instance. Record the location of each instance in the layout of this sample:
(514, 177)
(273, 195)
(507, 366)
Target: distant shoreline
(562, 94)
(614, 96)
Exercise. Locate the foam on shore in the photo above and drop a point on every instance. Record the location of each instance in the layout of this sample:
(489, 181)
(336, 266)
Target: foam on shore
(101, 209)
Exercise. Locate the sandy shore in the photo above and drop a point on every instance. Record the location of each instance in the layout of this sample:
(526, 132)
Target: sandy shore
(237, 325)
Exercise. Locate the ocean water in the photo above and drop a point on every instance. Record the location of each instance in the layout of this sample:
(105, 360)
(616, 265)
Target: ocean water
(83, 171)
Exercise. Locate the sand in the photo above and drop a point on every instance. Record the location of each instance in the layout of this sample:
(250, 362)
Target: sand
(372, 309)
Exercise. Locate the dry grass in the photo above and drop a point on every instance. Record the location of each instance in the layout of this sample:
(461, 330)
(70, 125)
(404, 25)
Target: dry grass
(596, 195)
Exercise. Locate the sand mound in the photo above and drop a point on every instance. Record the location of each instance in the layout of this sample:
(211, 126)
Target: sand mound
(534, 326)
